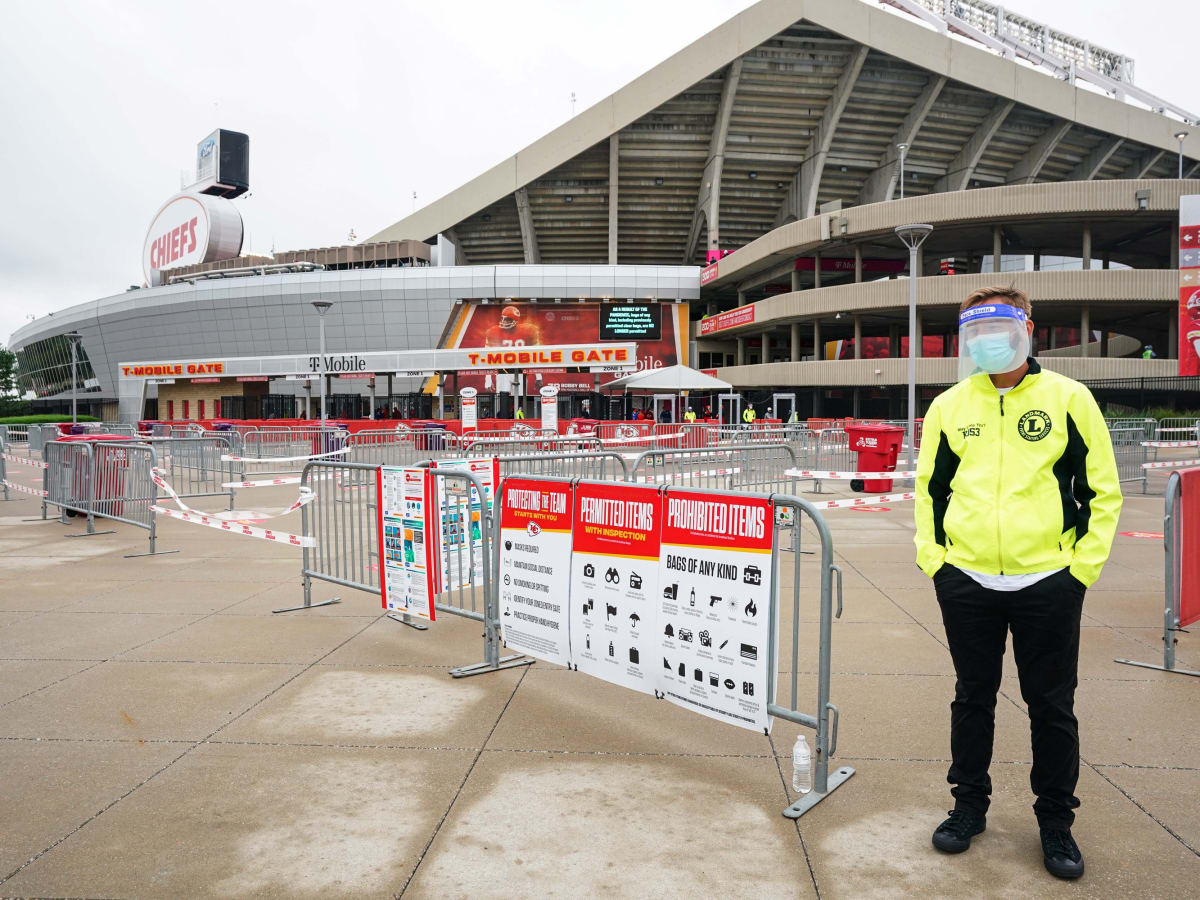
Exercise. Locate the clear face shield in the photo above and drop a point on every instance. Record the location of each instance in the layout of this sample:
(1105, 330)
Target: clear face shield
(992, 338)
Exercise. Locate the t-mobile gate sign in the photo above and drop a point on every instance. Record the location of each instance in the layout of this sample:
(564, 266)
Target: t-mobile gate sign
(535, 568)
(715, 568)
(614, 580)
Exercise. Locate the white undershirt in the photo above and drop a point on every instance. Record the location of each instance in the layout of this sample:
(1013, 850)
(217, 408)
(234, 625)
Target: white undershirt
(1007, 582)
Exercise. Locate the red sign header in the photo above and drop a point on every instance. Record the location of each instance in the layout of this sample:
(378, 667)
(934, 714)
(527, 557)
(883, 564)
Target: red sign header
(743, 315)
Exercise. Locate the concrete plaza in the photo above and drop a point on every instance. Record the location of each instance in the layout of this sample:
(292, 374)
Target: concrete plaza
(162, 734)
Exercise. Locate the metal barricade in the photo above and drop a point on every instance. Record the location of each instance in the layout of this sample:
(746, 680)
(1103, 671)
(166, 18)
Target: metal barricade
(124, 489)
(600, 465)
(753, 467)
(234, 439)
(194, 466)
(508, 447)
(285, 451)
(1174, 511)
(69, 475)
(1148, 427)
(400, 448)
(832, 453)
(518, 432)
(343, 522)
(160, 429)
(1178, 428)
(1129, 453)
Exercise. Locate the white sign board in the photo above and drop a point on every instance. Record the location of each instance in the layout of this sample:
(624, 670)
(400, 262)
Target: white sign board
(535, 564)
(469, 404)
(408, 546)
(549, 398)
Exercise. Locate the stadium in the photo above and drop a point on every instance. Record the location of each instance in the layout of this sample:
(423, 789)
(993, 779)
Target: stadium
(734, 209)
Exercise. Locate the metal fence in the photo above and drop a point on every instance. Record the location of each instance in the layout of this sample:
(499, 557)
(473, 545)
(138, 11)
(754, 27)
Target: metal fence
(1147, 427)
(1129, 453)
(752, 467)
(197, 466)
(600, 465)
(285, 450)
(502, 447)
(400, 448)
(1178, 428)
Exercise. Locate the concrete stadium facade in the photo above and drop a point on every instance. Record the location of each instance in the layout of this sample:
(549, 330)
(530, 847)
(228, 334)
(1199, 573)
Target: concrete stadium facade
(784, 138)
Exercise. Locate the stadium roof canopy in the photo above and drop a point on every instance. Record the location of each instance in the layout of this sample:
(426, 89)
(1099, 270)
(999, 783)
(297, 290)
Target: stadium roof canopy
(790, 105)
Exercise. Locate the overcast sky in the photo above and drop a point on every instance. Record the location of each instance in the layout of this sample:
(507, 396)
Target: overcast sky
(350, 108)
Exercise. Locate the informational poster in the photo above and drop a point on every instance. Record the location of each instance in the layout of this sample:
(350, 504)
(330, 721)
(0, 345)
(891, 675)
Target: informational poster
(714, 606)
(614, 583)
(469, 408)
(535, 568)
(549, 399)
(1189, 284)
(408, 546)
(462, 515)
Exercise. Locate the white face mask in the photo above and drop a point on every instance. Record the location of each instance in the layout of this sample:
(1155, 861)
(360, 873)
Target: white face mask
(992, 338)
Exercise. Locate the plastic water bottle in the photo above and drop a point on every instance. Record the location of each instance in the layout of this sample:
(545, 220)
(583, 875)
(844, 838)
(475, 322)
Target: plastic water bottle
(801, 766)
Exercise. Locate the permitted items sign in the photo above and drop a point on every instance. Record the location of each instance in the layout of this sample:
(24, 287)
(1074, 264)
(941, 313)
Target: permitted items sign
(408, 546)
(535, 568)
(715, 569)
(614, 580)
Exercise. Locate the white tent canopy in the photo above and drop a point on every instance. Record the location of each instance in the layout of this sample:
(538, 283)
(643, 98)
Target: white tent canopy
(671, 378)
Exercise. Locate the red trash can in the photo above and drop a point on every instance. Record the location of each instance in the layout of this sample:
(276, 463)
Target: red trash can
(877, 447)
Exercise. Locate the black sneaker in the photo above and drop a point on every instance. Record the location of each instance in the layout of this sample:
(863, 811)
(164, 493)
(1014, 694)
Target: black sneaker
(1061, 854)
(954, 835)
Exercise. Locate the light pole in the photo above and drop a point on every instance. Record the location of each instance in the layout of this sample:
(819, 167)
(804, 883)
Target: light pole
(903, 148)
(74, 337)
(913, 236)
(1180, 136)
(322, 307)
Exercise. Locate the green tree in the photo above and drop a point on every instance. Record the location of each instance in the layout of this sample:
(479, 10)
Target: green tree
(8, 368)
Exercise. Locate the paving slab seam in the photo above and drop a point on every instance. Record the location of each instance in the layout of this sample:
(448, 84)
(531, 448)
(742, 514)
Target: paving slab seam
(462, 784)
(115, 656)
(795, 822)
(1165, 827)
(172, 762)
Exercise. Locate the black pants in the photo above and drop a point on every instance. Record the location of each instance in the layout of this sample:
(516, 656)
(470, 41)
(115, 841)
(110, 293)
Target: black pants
(1044, 620)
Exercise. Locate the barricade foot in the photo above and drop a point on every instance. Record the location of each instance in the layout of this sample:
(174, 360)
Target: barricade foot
(1159, 666)
(88, 533)
(506, 662)
(150, 553)
(836, 779)
(307, 606)
(405, 619)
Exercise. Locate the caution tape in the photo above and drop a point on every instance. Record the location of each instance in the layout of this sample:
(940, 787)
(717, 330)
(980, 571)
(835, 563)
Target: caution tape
(283, 459)
(32, 463)
(1171, 464)
(306, 496)
(266, 482)
(846, 476)
(641, 438)
(864, 501)
(1171, 443)
(12, 485)
(265, 534)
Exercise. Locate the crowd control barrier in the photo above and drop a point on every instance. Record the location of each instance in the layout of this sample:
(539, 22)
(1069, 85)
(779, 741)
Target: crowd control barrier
(343, 523)
(560, 587)
(1181, 540)
(1178, 428)
(285, 450)
(393, 447)
(199, 466)
(106, 480)
(754, 467)
(603, 465)
(1130, 453)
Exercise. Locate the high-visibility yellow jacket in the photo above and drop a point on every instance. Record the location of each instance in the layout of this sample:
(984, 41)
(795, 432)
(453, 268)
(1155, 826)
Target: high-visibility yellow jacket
(1016, 483)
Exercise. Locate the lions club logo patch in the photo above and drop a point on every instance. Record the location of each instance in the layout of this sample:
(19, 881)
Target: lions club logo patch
(1034, 425)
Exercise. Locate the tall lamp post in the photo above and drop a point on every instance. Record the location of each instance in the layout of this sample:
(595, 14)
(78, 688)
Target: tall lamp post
(903, 148)
(322, 307)
(74, 337)
(912, 236)
(1180, 136)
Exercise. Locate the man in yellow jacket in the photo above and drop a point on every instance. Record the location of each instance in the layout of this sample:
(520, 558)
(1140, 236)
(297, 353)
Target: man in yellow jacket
(1017, 504)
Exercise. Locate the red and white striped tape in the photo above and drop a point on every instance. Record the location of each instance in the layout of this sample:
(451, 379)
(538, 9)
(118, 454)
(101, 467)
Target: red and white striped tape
(265, 534)
(654, 477)
(1171, 443)
(846, 476)
(266, 482)
(12, 485)
(1171, 464)
(864, 501)
(283, 459)
(306, 496)
(32, 463)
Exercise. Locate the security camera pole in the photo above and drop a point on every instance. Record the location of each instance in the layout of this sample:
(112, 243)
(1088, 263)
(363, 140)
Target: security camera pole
(74, 337)
(322, 307)
(913, 236)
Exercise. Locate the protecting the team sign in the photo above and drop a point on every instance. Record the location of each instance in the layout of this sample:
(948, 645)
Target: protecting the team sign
(992, 338)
